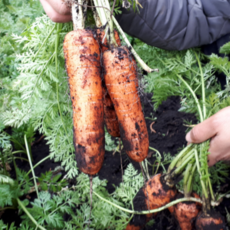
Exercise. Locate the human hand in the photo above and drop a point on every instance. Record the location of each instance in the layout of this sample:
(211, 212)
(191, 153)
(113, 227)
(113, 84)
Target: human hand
(57, 10)
(217, 127)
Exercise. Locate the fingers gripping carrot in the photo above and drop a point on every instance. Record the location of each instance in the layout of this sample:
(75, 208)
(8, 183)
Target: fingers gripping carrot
(83, 67)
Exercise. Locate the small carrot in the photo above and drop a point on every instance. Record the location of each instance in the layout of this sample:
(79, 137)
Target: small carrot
(212, 220)
(186, 213)
(154, 194)
(122, 84)
(82, 55)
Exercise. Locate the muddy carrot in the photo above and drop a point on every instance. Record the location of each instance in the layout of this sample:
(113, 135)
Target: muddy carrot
(154, 194)
(186, 213)
(82, 55)
(122, 85)
(212, 220)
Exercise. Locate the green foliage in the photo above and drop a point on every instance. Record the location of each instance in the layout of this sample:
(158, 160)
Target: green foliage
(11, 190)
(225, 49)
(6, 195)
(109, 142)
(132, 182)
(41, 90)
(166, 83)
(5, 144)
(6, 227)
(51, 182)
(17, 136)
(219, 172)
(47, 211)
(15, 17)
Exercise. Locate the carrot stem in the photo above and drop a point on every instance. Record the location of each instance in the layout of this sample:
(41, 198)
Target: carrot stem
(100, 12)
(179, 156)
(186, 178)
(198, 168)
(189, 183)
(202, 85)
(183, 165)
(78, 15)
(194, 96)
(31, 166)
(160, 158)
(29, 215)
(112, 40)
(96, 16)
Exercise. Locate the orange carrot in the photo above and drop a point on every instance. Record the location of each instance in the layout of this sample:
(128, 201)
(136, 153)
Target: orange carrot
(154, 194)
(82, 54)
(186, 213)
(122, 85)
(110, 116)
(210, 221)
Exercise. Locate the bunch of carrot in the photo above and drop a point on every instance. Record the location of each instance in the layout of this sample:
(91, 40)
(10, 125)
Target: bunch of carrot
(108, 93)
(112, 99)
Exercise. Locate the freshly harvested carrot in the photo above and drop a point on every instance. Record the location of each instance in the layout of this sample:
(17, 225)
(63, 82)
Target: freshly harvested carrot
(122, 85)
(154, 194)
(82, 55)
(186, 213)
(212, 221)
(110, 116)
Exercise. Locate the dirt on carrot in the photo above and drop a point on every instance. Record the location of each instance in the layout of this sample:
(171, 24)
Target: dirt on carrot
(186, 212)
(122, 84)
(154, 194)
(82, 55)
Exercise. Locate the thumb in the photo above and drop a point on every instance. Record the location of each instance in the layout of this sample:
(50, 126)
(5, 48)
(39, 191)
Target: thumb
(202, 131)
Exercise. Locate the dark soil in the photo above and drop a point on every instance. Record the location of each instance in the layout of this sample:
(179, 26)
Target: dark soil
(167, 136)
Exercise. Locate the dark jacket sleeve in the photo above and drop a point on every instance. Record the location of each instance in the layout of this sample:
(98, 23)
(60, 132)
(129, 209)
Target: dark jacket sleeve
(177, 24)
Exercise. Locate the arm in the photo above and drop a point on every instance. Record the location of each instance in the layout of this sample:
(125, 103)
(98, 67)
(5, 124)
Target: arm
(177, 24)
(217, 127)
